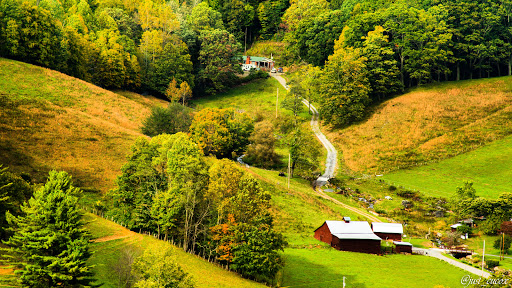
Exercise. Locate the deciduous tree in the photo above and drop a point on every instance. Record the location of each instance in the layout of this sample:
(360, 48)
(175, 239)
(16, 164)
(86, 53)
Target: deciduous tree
(221, 131)
(157, 267)
(345, 87)
(261, 150)
(218, 60)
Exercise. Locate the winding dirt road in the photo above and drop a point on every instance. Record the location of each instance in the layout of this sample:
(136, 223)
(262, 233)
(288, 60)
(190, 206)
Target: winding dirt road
(330, 162)
(332, 153)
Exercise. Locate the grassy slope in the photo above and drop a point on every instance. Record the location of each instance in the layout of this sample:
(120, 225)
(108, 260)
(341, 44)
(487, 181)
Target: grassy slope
(429, 124)
(298, 211)
(49, 121)
(487, 167)
(109, 250)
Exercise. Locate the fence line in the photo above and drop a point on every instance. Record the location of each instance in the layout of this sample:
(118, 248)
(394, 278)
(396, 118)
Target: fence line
(171, 241)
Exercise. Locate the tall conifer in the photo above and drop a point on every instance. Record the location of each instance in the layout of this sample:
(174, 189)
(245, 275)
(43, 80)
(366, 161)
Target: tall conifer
(49, 242)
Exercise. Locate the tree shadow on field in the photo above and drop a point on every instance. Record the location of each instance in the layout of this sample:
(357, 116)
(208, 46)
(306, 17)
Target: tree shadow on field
(301, 273)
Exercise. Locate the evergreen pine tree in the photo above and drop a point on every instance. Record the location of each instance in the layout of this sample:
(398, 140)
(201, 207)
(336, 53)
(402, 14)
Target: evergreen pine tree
(49, 241)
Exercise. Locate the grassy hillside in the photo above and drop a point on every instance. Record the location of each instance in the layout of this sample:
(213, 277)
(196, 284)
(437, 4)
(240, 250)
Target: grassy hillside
(309, 263)
(113, 243)
(487, 167)
(268, 49)
(258, 98)
(49, 120)
(298, 211)
(428, 124)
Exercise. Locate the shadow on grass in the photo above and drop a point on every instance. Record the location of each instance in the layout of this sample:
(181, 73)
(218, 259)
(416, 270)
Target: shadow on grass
(300, 272)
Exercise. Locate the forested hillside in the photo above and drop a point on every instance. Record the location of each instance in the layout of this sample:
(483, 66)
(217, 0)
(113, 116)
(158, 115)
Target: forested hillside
(363, 63)
(135, 45)
(372, 50)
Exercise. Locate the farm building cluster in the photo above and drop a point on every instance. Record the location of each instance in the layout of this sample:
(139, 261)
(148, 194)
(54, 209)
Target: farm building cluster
(359, 236)
(256, 62)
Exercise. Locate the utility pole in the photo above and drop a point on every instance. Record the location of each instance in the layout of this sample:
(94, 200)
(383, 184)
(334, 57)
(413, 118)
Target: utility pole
(483, 257)
(502, 254)
(245, 49)
(277, 100)
(289, 170)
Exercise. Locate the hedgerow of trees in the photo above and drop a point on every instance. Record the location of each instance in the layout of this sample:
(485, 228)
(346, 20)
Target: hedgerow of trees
(210, 207)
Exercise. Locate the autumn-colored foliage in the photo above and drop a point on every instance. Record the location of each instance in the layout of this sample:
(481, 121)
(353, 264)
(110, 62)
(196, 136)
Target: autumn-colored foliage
(221, 132)
(506, 227)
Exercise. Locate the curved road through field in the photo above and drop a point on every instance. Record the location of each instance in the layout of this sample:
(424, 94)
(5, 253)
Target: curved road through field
(438, 253)
(330, 166)
(332, 153)
(330, 162)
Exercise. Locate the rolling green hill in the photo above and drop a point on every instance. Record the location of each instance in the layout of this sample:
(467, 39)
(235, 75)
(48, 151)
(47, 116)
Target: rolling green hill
(112, 244)
(298, 211)
(49, 120)
(487, 167)
(62, 115)
(428, 124)
(52, 121)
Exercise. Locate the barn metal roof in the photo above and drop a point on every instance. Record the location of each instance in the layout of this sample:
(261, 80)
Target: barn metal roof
(351, 230)
(395, 228)
(353, 227)
(359, 236)
(399, 243)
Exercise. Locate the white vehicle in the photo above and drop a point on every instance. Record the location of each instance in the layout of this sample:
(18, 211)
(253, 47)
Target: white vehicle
(273, 70)
(248, 67)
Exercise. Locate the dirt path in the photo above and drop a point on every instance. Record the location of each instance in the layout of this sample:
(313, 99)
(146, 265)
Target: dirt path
(332, 153)
(348, 207)
(332, 157)
(437, 253)
(121, 234)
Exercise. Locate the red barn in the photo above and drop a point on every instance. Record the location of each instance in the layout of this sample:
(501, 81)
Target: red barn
(355, 236)
(388, 231)
(403, 247)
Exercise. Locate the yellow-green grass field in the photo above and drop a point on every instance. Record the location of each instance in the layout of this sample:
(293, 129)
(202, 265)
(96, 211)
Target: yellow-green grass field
(326, 267)
(49, 120)
(257, 98)
(429, 123)
(298, 211)
(487, 167)
(311, 263)
(111, 241)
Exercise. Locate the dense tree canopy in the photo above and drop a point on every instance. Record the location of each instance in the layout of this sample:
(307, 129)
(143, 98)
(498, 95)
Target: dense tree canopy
(173, 119)
(345, 87)
(209, 206)
(221, 132)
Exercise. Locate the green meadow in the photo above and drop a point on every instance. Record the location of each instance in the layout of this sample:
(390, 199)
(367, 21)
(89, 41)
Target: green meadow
(326, 267)
(299, 210)
(113, 244)
(487, 167)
